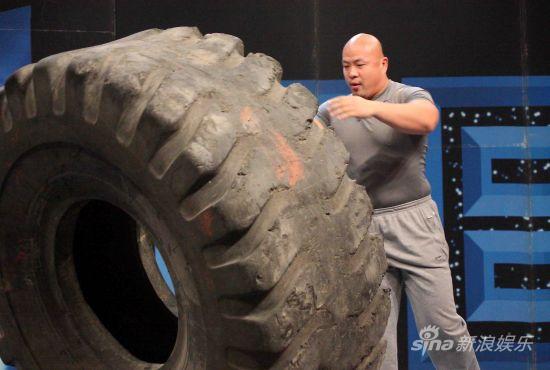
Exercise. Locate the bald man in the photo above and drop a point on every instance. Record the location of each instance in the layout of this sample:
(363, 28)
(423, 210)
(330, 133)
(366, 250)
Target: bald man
(383, 125)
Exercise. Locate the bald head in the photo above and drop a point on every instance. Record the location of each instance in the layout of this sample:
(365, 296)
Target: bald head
(367, 42)
(364, 65)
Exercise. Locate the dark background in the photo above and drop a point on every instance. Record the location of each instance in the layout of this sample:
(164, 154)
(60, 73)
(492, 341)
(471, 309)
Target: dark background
(421, 38)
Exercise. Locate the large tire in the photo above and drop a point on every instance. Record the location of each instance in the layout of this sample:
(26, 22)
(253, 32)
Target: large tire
(178, 134)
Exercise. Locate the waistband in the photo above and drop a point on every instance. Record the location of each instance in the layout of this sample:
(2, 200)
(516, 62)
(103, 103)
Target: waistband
(403, 206)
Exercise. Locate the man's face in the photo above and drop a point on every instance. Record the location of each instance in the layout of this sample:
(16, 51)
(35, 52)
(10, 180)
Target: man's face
(364, 69)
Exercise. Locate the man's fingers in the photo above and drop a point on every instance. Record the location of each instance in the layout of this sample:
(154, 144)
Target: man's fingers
(333, 106)
(336, 111)
(337, 106)
(341, 113)
(338, 101)
(340, 107)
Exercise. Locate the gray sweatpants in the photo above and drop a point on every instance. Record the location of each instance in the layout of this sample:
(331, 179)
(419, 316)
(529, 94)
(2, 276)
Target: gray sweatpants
(418, 259)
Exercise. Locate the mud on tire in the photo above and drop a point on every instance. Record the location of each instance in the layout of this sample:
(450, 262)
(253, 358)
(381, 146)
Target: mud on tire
(181, 138)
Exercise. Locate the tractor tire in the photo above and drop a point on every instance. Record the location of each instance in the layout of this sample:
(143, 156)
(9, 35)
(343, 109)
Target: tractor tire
(175, 139)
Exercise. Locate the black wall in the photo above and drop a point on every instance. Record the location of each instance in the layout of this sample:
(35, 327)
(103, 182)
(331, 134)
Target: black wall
(421, 38)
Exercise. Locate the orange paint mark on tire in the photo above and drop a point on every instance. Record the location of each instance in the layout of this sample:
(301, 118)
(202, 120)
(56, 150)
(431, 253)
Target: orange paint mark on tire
(280, 172)
(249, 120)
(206, 220)
(292, 166)
(246, 114)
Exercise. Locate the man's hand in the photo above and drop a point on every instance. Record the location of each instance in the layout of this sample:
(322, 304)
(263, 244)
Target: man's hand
(344, 107)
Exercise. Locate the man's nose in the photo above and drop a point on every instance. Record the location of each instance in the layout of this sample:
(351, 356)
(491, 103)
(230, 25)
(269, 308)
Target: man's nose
(352, 72)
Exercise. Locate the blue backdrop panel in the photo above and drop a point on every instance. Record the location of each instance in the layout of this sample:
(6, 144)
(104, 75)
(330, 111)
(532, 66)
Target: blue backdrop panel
(483, 249)
(480, 136)
(15, 40)
(15, 50)
(483, 197)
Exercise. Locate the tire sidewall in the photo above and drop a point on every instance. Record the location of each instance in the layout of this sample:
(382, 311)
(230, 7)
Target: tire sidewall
(49, 166)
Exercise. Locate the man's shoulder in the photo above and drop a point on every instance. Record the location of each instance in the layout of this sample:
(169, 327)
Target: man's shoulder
(402, 93)
(399, 87)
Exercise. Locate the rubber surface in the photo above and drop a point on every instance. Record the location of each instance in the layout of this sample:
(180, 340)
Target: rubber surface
(264, 234)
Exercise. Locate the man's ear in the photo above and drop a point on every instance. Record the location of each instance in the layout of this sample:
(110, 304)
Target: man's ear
(385, 63)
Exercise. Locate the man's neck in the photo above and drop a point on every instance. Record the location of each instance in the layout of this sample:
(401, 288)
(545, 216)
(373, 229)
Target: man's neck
(381, 90)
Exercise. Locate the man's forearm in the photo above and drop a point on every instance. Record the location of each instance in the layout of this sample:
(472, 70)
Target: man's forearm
(418, 117)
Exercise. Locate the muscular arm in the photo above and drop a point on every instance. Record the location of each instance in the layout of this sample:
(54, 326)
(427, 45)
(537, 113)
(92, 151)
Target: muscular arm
(417, 117)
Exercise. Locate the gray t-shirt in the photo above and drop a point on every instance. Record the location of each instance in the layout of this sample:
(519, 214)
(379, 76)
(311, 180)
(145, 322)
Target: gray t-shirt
(389, 164)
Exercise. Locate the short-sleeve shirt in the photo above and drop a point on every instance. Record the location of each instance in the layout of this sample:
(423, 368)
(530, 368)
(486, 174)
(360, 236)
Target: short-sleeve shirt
(390, 164)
